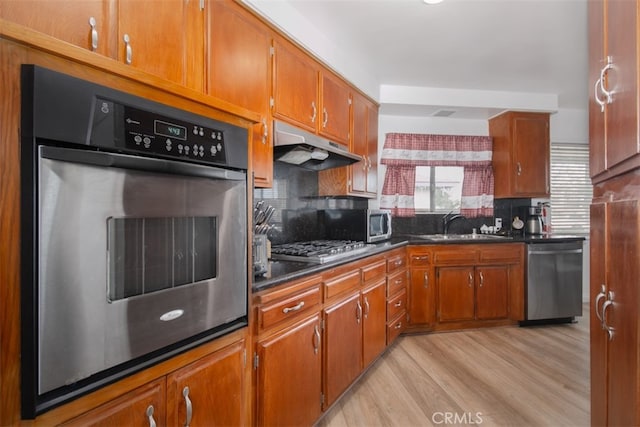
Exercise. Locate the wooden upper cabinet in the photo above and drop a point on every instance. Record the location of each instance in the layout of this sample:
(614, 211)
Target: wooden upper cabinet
(521, 151)
(295, 86)
(335, 108)
(83, 23)
(613, 41)
(239, 71)
(165, 40)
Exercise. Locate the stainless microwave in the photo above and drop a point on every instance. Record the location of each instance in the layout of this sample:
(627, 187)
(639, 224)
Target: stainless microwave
(367, 225)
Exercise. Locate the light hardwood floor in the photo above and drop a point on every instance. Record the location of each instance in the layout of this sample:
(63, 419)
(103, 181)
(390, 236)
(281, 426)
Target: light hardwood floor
(510, 376)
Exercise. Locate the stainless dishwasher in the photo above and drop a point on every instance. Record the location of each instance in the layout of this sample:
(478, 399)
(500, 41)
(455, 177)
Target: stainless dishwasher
(554, 280)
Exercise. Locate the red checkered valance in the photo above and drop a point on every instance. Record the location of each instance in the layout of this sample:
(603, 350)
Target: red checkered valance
(402, 152)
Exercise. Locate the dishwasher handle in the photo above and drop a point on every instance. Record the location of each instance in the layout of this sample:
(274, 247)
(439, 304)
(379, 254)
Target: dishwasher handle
(558, 252)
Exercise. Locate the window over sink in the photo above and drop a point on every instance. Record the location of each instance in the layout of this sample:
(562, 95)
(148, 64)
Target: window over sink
(438, 189)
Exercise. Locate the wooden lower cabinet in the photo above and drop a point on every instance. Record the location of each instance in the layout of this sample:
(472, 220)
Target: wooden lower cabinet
(422, 296)
(374, 319)
(141, 407)
(492, 292)
(209, 391)
(289, 375)
(455, 293)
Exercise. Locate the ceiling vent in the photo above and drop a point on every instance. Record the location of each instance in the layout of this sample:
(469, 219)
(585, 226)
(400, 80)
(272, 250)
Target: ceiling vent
(443, 113)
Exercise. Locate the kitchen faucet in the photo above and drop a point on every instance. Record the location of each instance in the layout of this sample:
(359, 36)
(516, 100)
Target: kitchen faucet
(447, 219)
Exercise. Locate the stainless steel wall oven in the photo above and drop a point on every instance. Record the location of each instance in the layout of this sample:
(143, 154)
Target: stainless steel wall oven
(134, 234)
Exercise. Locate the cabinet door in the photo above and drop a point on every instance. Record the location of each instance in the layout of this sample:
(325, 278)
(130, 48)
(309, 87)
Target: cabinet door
(598, 265)
(597, 55)
(422, 308)
(289, 376)
(531, 154)
(374, 322)
(295, 86)
(336, 108)
(492, 292)
(165, 40)
(621, 30)
(141, 407)
(455, 293)
(372, 150)
(359, 145)
(63, 19)
(239, 71)
(622, 249)
(343, 346)
(210, 391)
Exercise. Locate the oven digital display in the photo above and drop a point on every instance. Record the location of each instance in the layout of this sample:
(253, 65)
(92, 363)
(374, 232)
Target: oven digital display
(170, 130)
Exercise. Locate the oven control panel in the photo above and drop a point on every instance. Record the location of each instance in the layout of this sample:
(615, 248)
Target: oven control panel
(138, 130)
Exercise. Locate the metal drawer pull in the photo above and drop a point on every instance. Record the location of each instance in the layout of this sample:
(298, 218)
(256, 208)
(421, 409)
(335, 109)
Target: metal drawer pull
(152, 422)
(316, 338)
(398, 263)
(421, 258)
(294, 308)
(607, 304)
(398, 325)
(398, 304)
(94, 34)
(127, 48)
(601, 295)
(187, 401)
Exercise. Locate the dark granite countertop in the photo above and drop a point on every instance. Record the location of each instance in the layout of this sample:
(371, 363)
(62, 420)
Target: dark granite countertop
(284, 271)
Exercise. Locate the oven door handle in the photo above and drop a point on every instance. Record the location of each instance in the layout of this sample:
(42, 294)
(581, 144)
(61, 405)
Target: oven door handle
(560, 251)
(148, 164)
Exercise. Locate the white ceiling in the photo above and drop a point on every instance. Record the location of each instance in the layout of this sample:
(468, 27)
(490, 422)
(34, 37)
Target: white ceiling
(526, 48)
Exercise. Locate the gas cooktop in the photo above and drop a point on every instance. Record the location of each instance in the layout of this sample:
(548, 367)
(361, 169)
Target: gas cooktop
(318, 251)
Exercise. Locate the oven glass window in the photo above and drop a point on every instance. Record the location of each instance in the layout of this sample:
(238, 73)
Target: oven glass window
(151, 254)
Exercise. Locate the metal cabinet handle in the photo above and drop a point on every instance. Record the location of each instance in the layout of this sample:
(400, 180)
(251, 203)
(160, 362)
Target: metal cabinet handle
(367, 307)
(601, 295)
(325, 117)
(600, 102)
(265, 131)
(364, 163)
(398, 325)
(398, 304)
(470, 279)
(603, 72)
(315, 111)
(189, 406)
(481, 279)
(358, 312)
(609, 302)
(426, 280)
(316, 339)
(296, 307)
(94, 34)
(518, 169)
(420, 258)
(127, 48)
(152, 422)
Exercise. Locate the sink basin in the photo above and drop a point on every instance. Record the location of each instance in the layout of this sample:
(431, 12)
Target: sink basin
(453, 237)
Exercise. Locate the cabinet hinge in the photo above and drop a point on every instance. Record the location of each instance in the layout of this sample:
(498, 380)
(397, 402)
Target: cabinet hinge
(256, 360)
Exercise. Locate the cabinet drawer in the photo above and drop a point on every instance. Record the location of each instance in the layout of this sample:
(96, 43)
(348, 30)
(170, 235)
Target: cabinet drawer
(396, 305)
(503, 254)
(341, 284)
(289, 308)
(374, 271)
(420, 258)
(396, 263)
(455, 255)
(395, 327)
(396, 283)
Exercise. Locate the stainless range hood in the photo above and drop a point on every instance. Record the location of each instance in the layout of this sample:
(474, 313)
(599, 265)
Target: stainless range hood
(309, 151)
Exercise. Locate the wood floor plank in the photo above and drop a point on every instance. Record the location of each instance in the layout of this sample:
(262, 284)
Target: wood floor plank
(508, 376)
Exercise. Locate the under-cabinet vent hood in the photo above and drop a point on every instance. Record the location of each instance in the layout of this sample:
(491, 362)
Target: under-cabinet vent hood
(309, 151)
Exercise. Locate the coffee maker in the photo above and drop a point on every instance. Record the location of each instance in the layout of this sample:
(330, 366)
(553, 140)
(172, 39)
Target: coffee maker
(534, 220)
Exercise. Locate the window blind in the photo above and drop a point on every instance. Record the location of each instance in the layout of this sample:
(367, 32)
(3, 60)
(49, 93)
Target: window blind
(571, 189)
